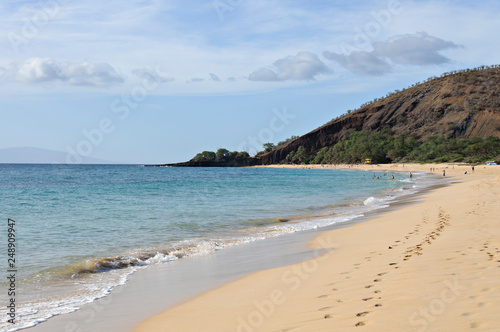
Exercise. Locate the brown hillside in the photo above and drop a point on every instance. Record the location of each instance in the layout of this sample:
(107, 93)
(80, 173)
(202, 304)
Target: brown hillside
(464, 104)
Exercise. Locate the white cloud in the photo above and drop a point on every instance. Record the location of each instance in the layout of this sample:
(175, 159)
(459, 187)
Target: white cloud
(414, 49)
(303, 66)
(37, 70)
(418, 49)
(365, 63)
(151, 75)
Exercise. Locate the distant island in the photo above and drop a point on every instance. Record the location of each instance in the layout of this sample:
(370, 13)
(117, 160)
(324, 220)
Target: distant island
(451, 118)
(32, 155)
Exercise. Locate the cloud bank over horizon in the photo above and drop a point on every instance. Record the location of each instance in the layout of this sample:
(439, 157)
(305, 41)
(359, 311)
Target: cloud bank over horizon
(245, 47)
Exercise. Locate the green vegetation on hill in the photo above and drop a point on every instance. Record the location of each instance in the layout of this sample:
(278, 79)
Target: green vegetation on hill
(383, 147)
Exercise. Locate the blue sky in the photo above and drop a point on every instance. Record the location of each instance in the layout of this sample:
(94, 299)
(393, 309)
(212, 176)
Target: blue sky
(158, 81)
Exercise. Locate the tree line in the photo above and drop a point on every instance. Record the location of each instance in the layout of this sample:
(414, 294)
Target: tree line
(383, 147)
(379, 146)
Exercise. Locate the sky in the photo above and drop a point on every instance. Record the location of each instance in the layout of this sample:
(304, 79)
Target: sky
(157, 81)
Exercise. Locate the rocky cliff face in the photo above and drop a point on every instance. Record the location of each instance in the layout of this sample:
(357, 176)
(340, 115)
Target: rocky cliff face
(465, 104)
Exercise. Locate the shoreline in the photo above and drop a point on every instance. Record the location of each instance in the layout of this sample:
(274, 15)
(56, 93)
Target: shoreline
(429, 265)
(273, 252)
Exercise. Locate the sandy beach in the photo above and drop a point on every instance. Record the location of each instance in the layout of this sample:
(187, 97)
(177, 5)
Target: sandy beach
(429, 266)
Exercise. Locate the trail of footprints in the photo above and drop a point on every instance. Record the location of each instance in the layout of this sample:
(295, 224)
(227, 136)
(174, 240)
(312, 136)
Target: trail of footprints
(441, 223)
(492, 253)
(443, 220)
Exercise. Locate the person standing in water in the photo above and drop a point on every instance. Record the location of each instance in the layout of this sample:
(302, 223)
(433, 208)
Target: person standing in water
(444, 173)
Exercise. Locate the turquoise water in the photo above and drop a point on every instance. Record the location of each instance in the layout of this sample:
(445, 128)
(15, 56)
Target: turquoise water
(82, 229)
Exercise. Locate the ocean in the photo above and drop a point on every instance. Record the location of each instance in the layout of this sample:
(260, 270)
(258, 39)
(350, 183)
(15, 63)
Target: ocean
(81, 230)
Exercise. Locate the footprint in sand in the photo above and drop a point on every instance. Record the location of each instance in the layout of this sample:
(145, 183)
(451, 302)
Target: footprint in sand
(360, 324)
(393, 263)
(381, 274)
(328, 316)
(377, 291)
(378, 305)
(325, 308)
(323, 296)
(474, 325)
(377, 280)
(368, 299)
(369, 286)
(362, 314)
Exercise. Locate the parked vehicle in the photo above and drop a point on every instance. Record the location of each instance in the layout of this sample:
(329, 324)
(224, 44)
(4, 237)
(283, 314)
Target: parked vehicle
(491, 163)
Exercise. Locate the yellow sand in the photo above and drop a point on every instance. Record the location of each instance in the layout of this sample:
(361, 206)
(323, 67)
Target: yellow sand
(430, 266)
